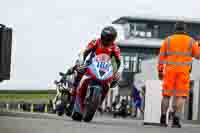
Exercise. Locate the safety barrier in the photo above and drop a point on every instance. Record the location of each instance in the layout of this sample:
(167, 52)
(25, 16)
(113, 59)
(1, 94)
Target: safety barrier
(25, 107)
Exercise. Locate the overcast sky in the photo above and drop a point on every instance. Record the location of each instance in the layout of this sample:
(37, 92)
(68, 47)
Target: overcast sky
(47, 34)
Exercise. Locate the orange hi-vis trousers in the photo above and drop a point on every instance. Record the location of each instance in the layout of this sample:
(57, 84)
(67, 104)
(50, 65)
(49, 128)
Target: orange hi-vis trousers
(176, 83)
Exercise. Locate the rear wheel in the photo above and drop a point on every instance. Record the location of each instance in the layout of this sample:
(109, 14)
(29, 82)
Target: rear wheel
(60, 108)
(60, 113)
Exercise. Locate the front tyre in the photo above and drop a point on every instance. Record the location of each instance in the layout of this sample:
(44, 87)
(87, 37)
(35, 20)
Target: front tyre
(91, 104)
(76, 116)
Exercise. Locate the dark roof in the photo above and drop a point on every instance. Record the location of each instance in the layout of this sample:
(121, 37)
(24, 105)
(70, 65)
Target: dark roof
(140, 43)
(128, 19)
(138, 46)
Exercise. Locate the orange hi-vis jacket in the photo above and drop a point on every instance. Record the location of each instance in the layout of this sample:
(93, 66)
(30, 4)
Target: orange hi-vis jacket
(176, 53)
(175, 61)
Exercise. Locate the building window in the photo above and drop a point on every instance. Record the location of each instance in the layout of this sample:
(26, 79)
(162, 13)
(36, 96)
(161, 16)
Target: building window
(141, 30)
(141, 27)
(131, 64)
(155, 31)
(149, 34)
(126, 63)
(127, 31)
(140, 65)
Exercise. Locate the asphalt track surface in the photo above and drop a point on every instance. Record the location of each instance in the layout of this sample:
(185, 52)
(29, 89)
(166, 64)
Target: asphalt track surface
(50, 123)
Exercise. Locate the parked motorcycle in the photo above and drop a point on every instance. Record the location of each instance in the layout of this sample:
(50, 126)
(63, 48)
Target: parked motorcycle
(98, 74)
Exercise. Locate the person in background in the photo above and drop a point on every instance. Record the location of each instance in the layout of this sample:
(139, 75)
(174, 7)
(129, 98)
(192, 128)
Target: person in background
(137, 101)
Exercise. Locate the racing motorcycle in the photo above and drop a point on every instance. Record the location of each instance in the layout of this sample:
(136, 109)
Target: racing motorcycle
(62, 99)
(98, 75)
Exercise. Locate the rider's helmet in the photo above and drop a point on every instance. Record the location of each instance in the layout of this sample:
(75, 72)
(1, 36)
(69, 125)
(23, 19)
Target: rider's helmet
(108, 35)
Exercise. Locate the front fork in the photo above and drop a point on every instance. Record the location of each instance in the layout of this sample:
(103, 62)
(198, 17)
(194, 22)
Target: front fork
(84, 84)
(92, 92)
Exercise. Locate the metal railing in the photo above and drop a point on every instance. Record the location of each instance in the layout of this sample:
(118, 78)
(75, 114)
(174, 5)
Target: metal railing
(25, 107)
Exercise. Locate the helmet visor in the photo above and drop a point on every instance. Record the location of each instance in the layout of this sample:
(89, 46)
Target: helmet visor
(106, 41)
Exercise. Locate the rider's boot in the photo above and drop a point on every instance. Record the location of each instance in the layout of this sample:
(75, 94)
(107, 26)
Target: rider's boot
(71, 104)
(73, 94)
(105, 91)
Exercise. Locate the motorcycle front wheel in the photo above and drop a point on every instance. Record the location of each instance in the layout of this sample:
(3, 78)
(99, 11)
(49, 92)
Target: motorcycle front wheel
(92, 103)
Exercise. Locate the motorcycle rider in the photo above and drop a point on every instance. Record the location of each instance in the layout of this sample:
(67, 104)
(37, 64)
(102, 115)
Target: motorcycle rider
(104, 45)
(78, 72)
(61, 84)
(137, 101)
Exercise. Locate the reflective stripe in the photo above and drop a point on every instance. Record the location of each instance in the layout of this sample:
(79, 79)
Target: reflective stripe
(179, 53)
(190, 46)
(168, 43)
(169, 53)
(175, 91)
(175, 53)
(175, 63)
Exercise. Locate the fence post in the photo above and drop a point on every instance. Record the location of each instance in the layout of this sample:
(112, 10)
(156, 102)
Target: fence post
(18, 107)
(7, 107)
(32, 107)
(45, 109)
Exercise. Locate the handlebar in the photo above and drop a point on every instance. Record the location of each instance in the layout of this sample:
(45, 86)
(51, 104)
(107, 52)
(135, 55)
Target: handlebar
(81, 69)
(61, 74)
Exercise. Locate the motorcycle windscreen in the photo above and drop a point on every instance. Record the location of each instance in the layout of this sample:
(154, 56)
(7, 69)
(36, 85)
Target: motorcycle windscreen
(101, 67)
